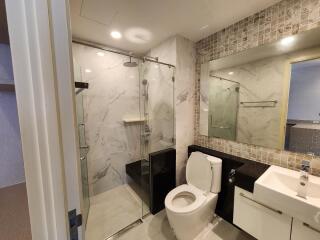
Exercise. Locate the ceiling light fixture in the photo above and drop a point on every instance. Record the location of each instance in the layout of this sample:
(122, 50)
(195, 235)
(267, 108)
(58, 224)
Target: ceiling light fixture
(116, 34)
(204, 27)
(88, 70)
(100, 54)
(287, 41)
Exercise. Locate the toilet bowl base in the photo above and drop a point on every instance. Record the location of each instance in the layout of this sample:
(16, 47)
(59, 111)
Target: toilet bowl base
(187, 226)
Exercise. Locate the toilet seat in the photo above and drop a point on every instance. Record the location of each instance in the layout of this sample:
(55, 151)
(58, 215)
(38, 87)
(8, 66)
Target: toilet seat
(185, 199)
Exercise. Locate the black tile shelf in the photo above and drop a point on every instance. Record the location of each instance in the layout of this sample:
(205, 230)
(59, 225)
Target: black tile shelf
(156, 177)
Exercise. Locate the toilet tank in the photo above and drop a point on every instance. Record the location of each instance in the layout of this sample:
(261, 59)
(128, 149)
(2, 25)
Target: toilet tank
(204, 172)
(216, 167)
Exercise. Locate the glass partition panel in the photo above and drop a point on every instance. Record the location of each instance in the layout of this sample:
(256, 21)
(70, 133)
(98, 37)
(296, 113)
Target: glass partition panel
(82, 145)
(223, 108)
(157, 110)
(126, 113)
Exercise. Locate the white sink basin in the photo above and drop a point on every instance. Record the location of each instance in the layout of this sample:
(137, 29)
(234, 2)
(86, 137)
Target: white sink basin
(277, 188)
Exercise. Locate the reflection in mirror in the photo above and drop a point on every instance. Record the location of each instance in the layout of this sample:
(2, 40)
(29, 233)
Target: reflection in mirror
(245, 97)
(303, 128)
(223, 107)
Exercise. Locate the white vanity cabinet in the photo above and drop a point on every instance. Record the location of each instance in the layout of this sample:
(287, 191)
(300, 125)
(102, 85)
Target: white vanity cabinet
(301, 231)
(258, 220)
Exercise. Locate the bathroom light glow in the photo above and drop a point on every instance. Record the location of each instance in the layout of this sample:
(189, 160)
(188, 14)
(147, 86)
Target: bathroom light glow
(88, 70)
(287, 41)
(230, 73)
(204, 27)
(100, 54)
(116, 34)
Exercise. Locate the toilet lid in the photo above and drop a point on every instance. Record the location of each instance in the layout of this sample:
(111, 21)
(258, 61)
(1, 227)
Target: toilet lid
(198, 172)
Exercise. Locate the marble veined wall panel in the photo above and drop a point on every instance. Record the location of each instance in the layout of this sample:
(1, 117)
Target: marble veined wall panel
(112, 97)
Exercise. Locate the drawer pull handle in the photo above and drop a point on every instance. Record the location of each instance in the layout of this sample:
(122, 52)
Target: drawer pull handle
(263, 205)
(312, 228)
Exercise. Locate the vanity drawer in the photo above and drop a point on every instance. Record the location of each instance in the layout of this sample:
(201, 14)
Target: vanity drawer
(301, 231)
(258, 220)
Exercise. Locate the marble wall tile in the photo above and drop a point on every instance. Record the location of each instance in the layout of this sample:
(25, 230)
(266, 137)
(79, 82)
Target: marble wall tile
(282, 19)
(113, 96)
(180, 52)
(116, 93)
(184, 102)
(159, 105)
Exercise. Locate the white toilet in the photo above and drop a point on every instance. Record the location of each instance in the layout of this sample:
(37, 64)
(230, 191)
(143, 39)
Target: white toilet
(190, 207)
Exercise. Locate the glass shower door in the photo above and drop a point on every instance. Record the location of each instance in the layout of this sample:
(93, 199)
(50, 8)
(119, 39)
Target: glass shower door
(223, 108)
(157, 110)
(82, 145)
(126, 113)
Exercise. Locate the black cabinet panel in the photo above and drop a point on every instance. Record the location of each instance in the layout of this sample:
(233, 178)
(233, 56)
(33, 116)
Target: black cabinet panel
(155, 178)
(162, 177)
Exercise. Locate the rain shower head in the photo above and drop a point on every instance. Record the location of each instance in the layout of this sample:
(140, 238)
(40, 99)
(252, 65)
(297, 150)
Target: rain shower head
(130, 63)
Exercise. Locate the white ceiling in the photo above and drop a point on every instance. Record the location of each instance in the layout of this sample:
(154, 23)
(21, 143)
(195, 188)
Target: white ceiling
(146, 23)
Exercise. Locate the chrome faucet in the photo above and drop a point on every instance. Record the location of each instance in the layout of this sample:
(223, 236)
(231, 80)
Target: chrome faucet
(304, 179)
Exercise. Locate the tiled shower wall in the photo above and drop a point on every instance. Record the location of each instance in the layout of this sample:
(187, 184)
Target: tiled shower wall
(282, 19)
(180, 52)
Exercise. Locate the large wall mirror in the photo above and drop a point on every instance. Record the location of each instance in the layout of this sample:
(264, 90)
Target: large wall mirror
(267, 95)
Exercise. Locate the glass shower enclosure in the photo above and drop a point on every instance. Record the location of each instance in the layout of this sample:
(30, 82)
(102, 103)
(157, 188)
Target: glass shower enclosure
(126, 113)
(223, 108)
(83, 147)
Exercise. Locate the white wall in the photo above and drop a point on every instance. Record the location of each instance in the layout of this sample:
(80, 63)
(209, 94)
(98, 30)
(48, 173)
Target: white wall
(11, 161)
(304, 95)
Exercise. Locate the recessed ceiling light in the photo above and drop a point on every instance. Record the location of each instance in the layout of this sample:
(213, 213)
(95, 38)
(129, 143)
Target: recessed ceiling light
(204, 27)
(88, 70)
(287, 41)
(230, 73)
(100, 54)
(116, 34)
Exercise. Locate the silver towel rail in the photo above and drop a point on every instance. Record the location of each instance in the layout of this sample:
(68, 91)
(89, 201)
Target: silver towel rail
(263, 104)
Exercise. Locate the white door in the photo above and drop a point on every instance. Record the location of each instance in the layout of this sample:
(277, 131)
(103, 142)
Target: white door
(62, 40)
(41, 52)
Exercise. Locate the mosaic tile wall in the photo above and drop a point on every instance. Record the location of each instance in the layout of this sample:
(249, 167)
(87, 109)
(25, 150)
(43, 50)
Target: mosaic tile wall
(282, 19)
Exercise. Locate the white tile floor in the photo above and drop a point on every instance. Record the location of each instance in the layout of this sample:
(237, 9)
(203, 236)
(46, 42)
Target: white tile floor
(111, 211)
(115, 209)
(157, 228)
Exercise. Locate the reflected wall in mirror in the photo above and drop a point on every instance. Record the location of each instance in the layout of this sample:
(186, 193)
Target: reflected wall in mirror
(303, 125)
(265, 96)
